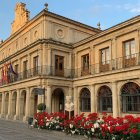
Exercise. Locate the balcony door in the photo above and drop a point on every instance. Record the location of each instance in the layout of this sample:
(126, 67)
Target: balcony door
(85, 64)
(35, 65)
(129, 53)
(104, 59)
(25, 69)
(59, 65)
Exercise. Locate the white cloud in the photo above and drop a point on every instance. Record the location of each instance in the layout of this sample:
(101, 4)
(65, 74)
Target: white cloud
(132, 8)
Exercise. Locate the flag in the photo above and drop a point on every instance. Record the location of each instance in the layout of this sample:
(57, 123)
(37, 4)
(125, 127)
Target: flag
(11, 69)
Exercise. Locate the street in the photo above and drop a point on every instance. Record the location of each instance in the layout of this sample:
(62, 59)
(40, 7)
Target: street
(16, 130)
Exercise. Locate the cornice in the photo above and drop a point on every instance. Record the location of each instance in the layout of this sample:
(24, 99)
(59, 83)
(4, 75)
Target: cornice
(39, 41)
(117, 27)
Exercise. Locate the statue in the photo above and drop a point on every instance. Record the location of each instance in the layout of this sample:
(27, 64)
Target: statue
(69, 106)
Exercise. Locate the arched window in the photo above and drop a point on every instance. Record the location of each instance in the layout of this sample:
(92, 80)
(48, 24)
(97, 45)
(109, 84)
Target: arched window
(105, 99)
(85, 105)
(130, 94)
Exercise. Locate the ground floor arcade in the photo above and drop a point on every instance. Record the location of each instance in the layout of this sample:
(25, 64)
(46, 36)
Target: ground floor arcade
(115, 98)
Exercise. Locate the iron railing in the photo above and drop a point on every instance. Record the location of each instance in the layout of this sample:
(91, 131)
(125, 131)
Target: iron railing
(37, 71)
(111, 65)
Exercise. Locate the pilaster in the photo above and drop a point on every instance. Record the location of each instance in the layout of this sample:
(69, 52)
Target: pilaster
(75, 100)
(115, 99)
(27, 107)
(3, 105)
(92, 97)
(9, 115)
(49, 99)
(16, 117)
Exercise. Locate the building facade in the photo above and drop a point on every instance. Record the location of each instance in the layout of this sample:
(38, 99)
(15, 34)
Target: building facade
(99, 69)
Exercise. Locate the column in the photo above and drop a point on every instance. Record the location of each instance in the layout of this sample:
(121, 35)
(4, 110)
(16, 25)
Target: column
(49, 99)
(96, 87)
(138, 40)
(27, 107)
(19, 63)
(16, 117)
(3, 105)
(113, 54)
(70, 92)
(44, 55)
(115, 99)
(75, 100)
(29, 63)
(49, 62)
(138, 47)
(40, 56)
(92, 96)
(69, 65)
(10, 105)
(75, 65)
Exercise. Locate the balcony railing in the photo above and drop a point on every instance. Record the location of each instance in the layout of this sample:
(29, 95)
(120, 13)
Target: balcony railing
(37, 71)
(111, 65)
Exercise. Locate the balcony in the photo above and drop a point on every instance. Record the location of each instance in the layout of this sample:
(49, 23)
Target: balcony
(37, 71)
(112, 65)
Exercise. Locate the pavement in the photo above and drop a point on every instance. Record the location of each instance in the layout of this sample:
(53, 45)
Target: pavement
(16, 130)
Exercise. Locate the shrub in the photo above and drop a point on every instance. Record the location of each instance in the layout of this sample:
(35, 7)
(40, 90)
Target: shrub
(41, 106)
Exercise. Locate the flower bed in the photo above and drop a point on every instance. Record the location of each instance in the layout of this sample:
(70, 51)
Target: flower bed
(107, 127)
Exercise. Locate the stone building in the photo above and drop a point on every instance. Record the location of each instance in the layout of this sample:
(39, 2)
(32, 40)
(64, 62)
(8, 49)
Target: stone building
(99, 69)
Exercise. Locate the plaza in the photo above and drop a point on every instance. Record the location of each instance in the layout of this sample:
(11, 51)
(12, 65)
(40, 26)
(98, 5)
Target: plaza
(17, 130)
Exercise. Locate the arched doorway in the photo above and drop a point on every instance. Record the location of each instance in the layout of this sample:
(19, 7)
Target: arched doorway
(0, 102)
(6, 103)
(130, 97)
(23, 103)
(14, 100)
(105, 99)
(58, 100)
(85, 103)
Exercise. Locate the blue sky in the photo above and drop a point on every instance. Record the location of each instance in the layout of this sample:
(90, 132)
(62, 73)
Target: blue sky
(90, 12)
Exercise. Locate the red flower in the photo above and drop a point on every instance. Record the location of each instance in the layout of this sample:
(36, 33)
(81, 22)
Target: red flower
(125, 132)
(133, 131)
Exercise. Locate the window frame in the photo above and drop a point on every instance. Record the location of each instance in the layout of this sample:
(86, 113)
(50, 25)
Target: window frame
(105, 96)
(129, 104)
(86, 57)
(35, 64)
(130, 55)
(25, 68)
(85, 100)
(106, 61)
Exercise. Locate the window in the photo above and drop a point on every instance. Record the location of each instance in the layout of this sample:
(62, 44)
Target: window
(25, 69)
(105, 99)
(130, 94)
(104, 60)
(16, 68)
(16, 72)
(35, 65)
(85, 64)
(85, 105)
(105, 56)
(129, 48)
(59, 65)
(129, 53)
